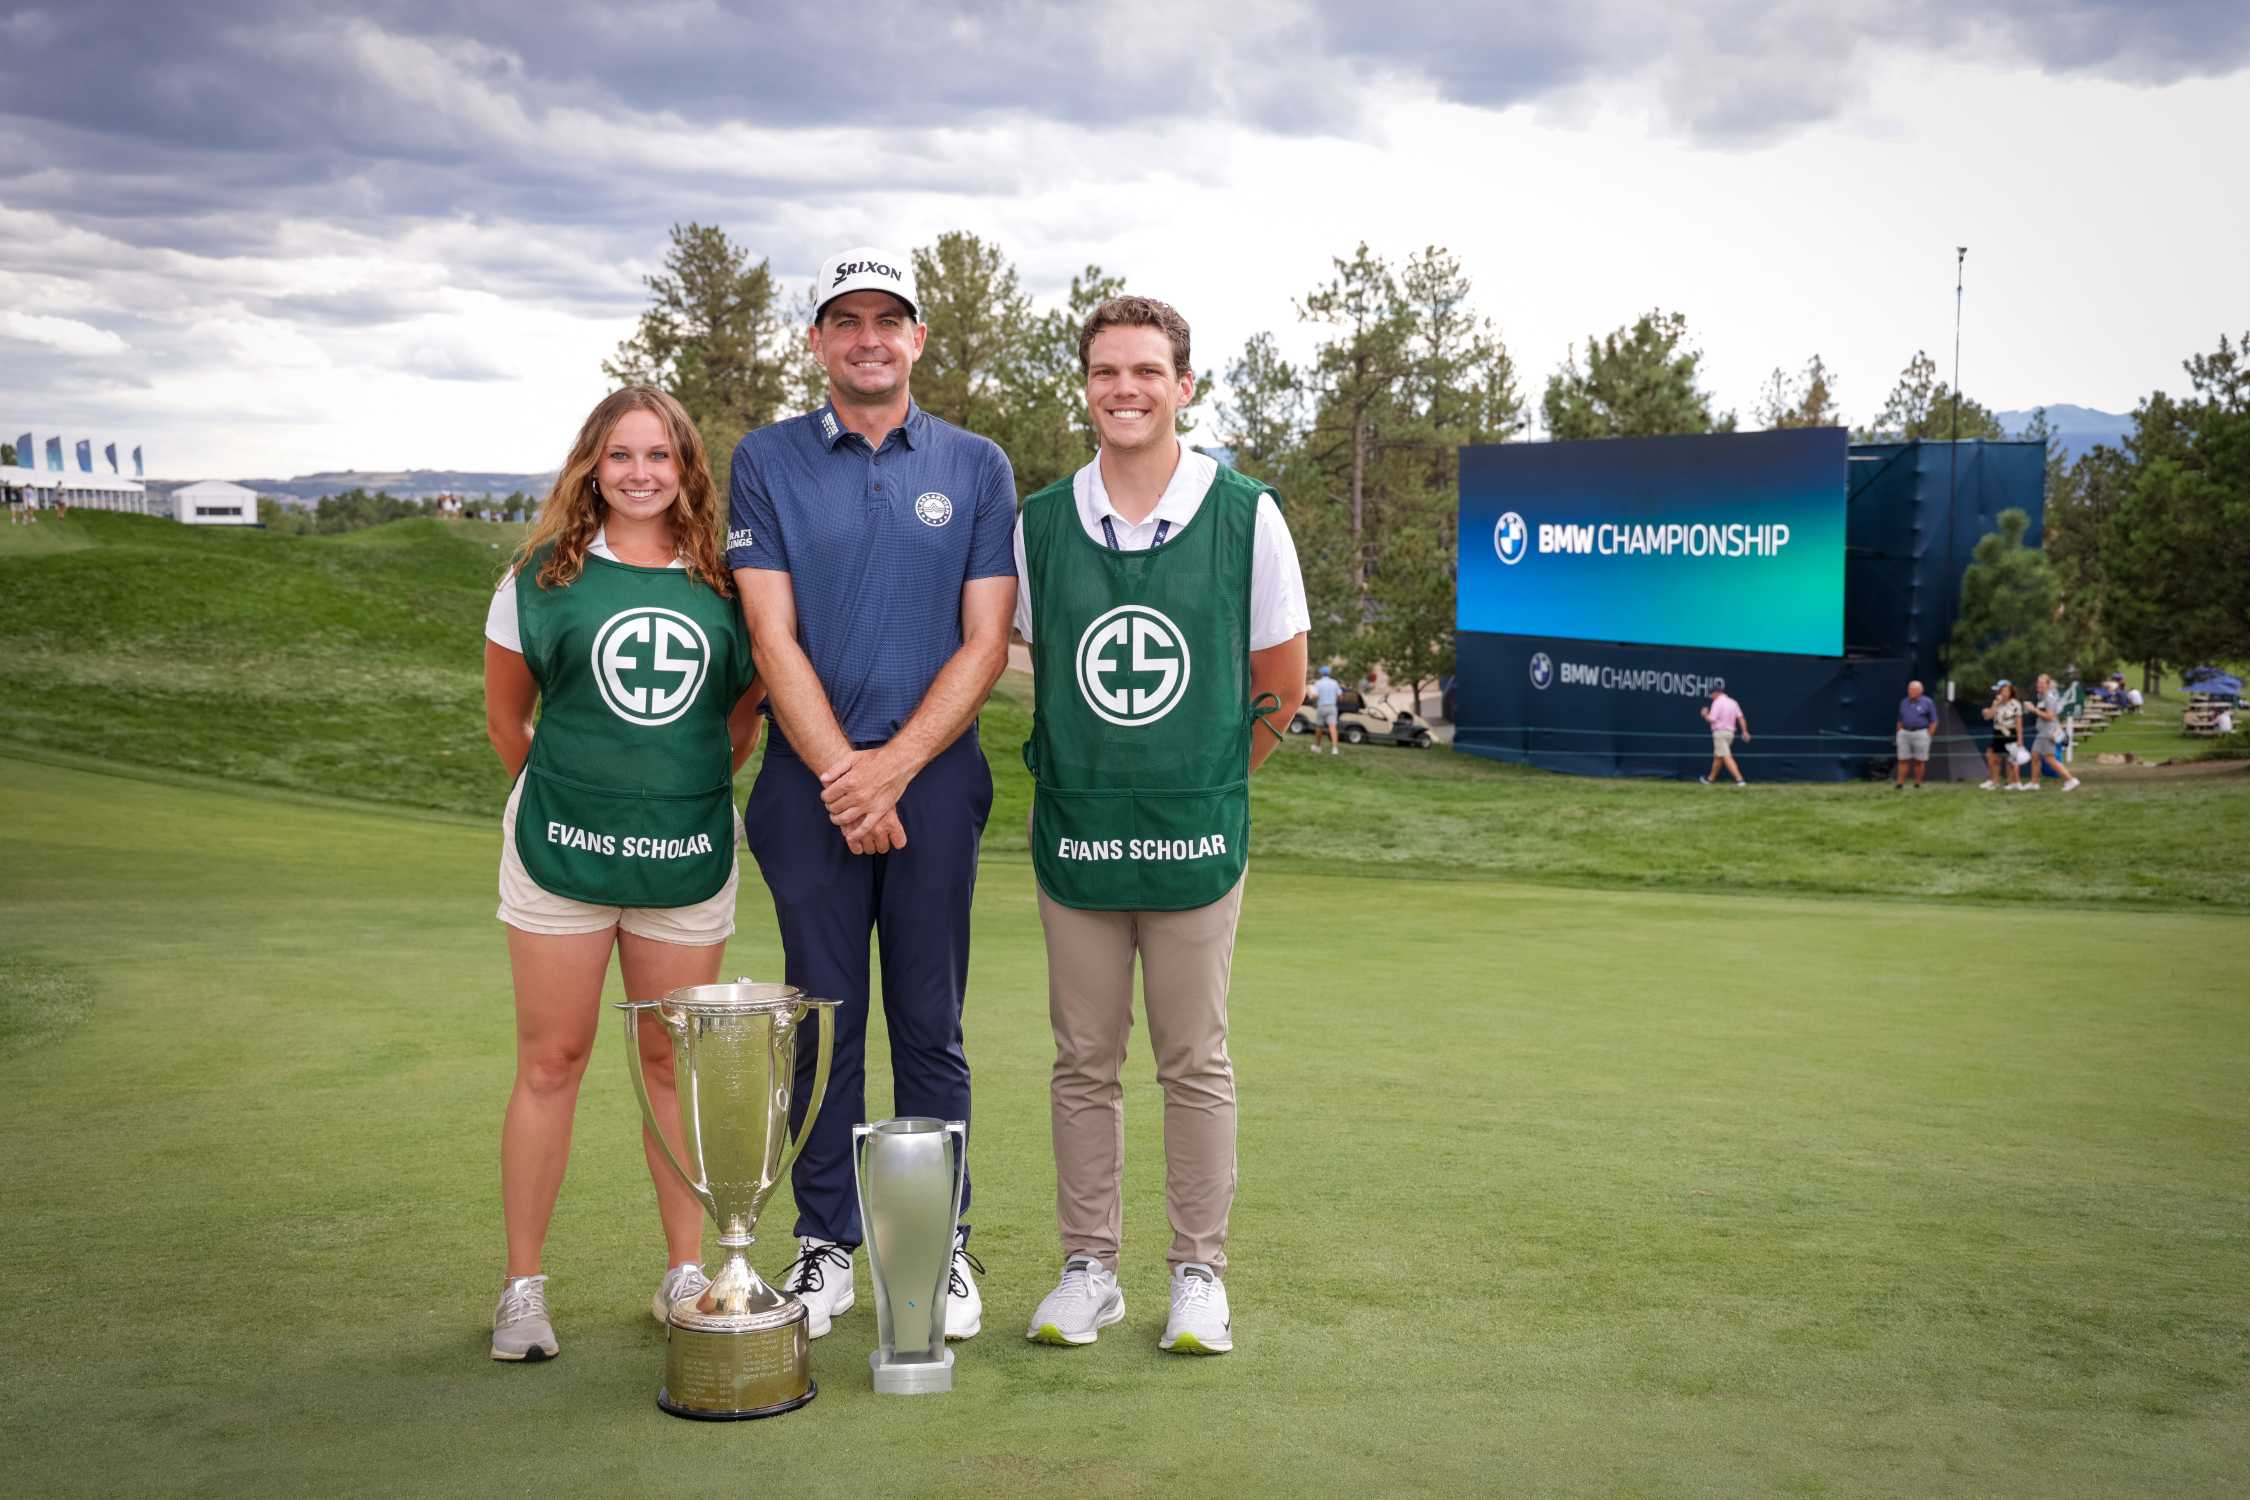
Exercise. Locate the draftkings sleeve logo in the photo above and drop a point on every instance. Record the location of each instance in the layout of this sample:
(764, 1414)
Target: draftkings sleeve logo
(1132, 666)
(740, 538)
(649, 663)
(932, 509)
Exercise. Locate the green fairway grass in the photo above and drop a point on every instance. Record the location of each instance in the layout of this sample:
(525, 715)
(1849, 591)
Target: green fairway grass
(351, 666)
(1544, 1192)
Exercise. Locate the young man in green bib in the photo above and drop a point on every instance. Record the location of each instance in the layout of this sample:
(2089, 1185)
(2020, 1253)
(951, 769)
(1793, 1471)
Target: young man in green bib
(1165, 610)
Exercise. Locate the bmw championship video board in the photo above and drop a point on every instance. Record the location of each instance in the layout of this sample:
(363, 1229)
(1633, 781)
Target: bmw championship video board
(1733, 541)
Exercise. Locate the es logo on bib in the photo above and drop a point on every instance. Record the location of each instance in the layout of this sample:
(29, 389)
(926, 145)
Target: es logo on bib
(648, 663)
(1132, 665)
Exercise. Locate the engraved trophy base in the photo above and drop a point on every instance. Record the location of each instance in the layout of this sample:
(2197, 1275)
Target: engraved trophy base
(919, 1378)
(716, 1373)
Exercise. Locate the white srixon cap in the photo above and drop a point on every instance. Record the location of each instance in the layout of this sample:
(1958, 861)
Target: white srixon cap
(866, 268)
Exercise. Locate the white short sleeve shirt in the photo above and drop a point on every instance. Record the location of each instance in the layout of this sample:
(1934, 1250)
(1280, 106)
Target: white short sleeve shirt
(500, 618)
(1277, 585)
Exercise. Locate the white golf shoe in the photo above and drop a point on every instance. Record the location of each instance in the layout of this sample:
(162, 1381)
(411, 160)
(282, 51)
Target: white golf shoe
(520, 1327)
(684, 1280)
(821, 1278)
(964, 1304)
(1200, 1322)
(1087, 1300)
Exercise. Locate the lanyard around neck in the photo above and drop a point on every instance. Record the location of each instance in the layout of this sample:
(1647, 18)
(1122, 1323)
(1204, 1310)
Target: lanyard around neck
(1110, 532)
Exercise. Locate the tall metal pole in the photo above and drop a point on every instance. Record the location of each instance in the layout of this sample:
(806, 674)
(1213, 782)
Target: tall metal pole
(1953, 445)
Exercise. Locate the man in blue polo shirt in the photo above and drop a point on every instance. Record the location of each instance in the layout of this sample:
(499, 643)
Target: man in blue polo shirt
(874, 548)
(1917, 717)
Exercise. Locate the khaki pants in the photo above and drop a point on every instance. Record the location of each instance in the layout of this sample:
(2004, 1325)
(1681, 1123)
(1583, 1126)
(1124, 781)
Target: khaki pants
(1186, 959)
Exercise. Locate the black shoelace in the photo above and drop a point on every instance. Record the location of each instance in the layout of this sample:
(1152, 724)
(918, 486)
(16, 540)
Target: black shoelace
(954, 1285)
(805, 1273)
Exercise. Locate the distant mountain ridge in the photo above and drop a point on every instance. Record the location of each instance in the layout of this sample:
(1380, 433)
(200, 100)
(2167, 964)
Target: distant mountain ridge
(407, 484)
(2078, 428)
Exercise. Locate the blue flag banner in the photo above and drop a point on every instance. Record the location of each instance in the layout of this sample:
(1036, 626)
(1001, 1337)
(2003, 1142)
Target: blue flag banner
(26, 456)
(136, 463)
(85, 456)
(110, 453)
(54, 454)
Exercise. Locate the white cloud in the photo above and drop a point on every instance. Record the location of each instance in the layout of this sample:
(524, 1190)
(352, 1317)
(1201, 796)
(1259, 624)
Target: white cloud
(67, 334)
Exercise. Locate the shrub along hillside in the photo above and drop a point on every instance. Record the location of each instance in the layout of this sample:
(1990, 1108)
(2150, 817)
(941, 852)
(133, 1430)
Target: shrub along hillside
(352, 666)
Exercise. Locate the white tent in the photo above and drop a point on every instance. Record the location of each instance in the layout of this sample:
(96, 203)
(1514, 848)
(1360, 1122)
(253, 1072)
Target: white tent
(215, 502)
(44, 488)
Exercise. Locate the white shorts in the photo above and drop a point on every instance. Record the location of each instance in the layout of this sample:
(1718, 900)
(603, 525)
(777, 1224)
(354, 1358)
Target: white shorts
(530, 907)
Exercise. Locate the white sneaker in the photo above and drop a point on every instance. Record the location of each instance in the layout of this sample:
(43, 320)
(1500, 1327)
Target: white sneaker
(684, 1280)
(2029, 786)
(1087, 1300)
(2013, 786)
(2071, 785)
(821, 1278)
(1988, 786)
(1199, 1323)
(964, 1304)
(520, 1328)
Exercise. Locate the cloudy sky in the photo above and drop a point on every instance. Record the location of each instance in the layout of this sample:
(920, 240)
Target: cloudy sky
(268, 238)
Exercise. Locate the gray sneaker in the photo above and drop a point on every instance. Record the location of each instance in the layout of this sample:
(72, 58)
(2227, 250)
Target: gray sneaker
(684, 1280)
(1086, 1301)
(520, 1329)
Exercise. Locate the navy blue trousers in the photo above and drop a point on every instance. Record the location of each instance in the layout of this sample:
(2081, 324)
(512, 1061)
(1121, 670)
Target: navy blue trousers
(915, 901)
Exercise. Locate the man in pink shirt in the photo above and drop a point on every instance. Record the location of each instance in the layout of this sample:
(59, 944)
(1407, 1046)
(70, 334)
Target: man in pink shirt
(1725, 717)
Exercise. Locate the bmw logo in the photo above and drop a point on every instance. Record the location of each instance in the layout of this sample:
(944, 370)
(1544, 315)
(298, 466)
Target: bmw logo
(1510, 538)
(1542, 670)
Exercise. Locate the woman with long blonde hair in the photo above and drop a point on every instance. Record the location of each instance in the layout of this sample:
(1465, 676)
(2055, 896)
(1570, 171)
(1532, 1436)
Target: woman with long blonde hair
(617, 620)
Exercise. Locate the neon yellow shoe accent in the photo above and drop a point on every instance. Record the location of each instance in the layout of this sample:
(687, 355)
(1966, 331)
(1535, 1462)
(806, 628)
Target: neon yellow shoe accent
(1048, 1333)
(1188, 1343)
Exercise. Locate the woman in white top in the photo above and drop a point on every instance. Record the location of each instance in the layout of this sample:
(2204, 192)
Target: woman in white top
(631, 525)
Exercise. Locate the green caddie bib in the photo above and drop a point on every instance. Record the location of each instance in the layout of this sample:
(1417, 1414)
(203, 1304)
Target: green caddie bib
(1140, 736)
(628, 794)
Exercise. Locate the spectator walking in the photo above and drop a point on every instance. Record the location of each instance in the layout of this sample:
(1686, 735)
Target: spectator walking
(1326, 693)
(1726, 718)
(1917, 720)
(2006, 716)
(2047, 735)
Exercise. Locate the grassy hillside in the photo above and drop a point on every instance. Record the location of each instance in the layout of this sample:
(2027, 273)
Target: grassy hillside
(351, 666)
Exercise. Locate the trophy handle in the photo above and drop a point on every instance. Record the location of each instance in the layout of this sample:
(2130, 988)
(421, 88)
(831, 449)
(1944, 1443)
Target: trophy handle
(825, 1054)
(959, 1130)
(676, 1024)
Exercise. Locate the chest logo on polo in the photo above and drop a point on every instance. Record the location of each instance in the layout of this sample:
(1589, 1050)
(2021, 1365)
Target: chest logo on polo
(1132, 665)
(933, 509)
(648, 664)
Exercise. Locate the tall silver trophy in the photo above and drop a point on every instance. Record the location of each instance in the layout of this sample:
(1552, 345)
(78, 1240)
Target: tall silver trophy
(910, 1174)
(739, 1348)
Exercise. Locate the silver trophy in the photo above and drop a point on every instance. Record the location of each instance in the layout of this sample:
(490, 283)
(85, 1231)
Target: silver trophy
(739, 1348)
(910, 1174)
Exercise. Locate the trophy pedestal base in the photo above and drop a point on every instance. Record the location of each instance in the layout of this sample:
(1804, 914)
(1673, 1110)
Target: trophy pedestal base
(923, 1378)
(733, 1375)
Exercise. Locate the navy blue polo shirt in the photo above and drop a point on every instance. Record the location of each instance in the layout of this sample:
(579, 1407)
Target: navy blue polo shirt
(1918, 713)
(877, 543)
